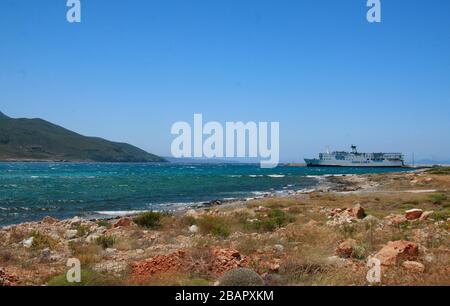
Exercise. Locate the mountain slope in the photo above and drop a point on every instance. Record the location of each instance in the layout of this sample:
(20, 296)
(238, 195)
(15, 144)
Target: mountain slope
(37, 139)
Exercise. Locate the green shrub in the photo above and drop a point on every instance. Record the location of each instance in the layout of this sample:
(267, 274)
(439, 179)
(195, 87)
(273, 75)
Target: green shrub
(88, 278)
(105, 241)
(150, 219)
(41, 241)
(275, 219)
(82, 230)
(437, 198)
(360, 251)
(440, 170)
(104, 223)
(214, 225)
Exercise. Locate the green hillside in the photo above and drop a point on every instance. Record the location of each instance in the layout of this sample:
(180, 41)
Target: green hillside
(37, 139)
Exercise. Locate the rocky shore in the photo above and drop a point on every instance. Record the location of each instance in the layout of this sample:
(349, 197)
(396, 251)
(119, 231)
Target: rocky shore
(325, 236)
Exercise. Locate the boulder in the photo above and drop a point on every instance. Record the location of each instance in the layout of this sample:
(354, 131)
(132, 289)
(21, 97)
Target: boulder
(426, 214)
(394, 251)
(357, 212)
(71, 234)
(123, 222)
(396, 219)
(345, 249)
(413, 266)
(49, 220)
(241, 277)
(27, 243)
(92, 238)
(193, 229)
(413, 214)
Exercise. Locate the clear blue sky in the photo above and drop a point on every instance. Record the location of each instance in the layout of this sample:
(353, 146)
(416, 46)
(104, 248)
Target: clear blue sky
(132, 68)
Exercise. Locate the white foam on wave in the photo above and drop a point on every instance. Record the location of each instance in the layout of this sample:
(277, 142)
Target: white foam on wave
(276, 175)
(120, 213)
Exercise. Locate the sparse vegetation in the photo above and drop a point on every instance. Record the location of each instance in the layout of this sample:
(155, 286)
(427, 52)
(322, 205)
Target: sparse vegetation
(150, 219)
(88, 278)
(42, 241)
(439, 171)
(104, 224)
(105, 241)
(215, 226)
(437, 198)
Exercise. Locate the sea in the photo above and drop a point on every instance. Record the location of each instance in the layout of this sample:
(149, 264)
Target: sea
(31, 191)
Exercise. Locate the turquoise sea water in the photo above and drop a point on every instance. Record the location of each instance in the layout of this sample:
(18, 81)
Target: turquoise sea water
(31, 191)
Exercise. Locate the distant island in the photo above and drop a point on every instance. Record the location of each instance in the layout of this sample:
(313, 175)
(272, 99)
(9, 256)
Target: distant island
(39, 140)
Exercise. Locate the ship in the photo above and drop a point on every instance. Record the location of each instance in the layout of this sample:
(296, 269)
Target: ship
(356, 159)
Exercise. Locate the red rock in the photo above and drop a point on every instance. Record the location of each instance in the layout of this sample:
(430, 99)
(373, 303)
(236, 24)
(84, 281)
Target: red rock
(413, 214)
(123, 222)
(345, 249)
(396, 219)
(357, 212)
(413, 266)
(391, 253)
(49, 220)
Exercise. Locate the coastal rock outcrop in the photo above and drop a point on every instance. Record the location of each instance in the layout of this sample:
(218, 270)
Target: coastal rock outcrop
(345, 249)
(413, 266)
(413, 214)
(394, 251)
(213, 261)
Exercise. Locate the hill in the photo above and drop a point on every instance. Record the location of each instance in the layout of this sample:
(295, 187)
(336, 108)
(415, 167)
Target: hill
(39, 140)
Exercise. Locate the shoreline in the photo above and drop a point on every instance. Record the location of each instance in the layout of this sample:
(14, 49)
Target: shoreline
(276, 236)
(339, 183)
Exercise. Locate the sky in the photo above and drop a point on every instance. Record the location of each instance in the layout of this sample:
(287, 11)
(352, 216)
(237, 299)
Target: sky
(131, 69)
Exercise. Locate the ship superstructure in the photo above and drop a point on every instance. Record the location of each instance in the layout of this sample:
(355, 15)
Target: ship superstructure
(356, 159)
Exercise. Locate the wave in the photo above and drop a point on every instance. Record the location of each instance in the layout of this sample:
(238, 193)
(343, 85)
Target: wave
(276, 175)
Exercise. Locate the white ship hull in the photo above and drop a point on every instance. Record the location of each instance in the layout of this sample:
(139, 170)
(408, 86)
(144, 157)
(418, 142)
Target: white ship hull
(353, 163)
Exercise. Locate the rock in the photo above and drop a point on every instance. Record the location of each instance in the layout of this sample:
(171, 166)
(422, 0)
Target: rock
(110, 251)
(241, 277)
(27, 243)
(272, 280)
(140, 251)
(112, 266)
(262, 209)
(426, 214)
(7, 279)
(312, 223)
(336, 261)
(345, 249)
(92, 238)
(45, 254)
(278, 248)
(123, 222)
(413, 214)
(391, 253)
(193, 229)
(413, 266)
(75, 221)
(192, 213)
(215, 203)
(357, 212)
(371, 219)
(395, 219)
(70, 234)
(49, 220)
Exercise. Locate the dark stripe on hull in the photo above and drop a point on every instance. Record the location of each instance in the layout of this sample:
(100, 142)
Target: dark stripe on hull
(338, 166)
